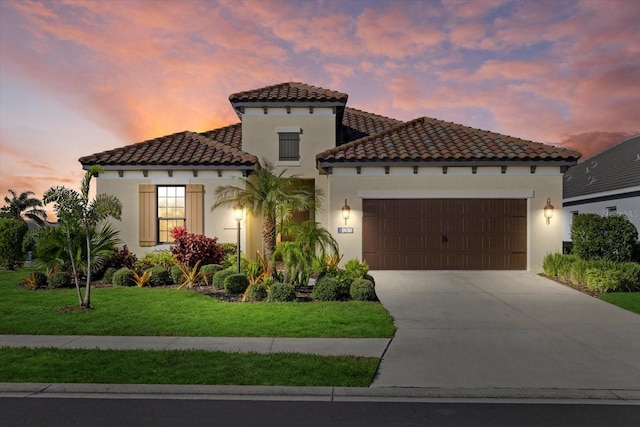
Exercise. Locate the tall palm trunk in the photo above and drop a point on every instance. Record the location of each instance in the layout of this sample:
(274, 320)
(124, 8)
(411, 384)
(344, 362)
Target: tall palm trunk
(269, 237)
(87, 293)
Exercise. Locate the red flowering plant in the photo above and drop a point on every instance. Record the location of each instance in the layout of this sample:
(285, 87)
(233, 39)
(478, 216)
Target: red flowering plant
(189, 249)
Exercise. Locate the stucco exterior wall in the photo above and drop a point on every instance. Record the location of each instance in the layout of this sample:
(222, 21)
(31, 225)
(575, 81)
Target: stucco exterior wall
(260, 138)
(488, 182)
(219, 223)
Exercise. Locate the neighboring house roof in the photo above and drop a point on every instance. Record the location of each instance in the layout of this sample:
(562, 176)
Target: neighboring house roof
(427, 140)
(288, 92)
(615, 168)
(179, 149)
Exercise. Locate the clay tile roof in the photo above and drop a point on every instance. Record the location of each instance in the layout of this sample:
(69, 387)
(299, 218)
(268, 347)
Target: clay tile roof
(426, 139)
(179, 149)
(289, 92)
(357, 124)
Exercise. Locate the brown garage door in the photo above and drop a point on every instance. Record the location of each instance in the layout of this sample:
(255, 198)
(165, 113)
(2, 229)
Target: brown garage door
(445, 234)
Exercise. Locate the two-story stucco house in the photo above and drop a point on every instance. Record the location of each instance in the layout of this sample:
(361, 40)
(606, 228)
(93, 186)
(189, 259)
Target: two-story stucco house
(423, 194)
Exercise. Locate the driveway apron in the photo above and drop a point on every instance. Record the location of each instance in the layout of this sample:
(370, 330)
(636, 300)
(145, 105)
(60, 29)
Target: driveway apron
(480, 329)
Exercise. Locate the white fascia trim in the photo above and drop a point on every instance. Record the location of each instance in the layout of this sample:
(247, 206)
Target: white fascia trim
(603, 194)
(445, 194)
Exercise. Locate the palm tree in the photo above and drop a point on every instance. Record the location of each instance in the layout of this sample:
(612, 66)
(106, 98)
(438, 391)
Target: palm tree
(76, 213)
(313, 238)
(23, 205)
(266, 194)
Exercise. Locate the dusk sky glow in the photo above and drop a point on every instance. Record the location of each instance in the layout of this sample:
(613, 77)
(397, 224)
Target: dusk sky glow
(79, 77)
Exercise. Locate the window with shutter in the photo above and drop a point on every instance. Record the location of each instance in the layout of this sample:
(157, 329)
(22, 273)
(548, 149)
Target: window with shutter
(147, 215)
(289, 146)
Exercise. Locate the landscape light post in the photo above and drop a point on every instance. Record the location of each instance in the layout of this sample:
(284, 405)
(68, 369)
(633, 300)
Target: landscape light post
(238, 211)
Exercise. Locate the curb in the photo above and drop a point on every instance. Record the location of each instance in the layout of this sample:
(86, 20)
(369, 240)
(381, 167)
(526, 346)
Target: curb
(320, 394)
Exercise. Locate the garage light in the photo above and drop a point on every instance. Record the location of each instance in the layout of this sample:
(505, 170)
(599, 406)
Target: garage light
(346, 211)
(548, 211)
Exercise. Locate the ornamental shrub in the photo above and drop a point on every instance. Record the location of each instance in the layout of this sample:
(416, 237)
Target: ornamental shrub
(281, 292)
(37, 280)
(159, 276)
(578, 271)
(630, 276)
(40, 279)
(220, 277)
(155, 259)
(122, 257)
(60, 279)
(176, 275)
(601, 280)
(327, 289)
(229, 248)
(362, 290)
(190, 248)
(12, 232)
(208, 271)
(107, 277)
(610, 237)
(123, 277)
(236, 283)
(356, 268)
(257, 292)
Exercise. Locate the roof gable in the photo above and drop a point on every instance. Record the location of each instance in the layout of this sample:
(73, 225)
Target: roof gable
(288, 92)
(615, 168)
(426, 139)
(178, 149)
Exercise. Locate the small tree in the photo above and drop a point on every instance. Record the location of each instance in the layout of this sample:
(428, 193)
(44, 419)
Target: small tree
(76, 213)
(12, 233)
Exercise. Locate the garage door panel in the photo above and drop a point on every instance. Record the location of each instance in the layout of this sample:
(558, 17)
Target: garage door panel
(479, 234)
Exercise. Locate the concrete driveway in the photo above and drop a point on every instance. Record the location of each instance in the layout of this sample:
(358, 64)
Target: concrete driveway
(511, 330)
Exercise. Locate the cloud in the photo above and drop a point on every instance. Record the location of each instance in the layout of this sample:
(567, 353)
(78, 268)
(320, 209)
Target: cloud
(591, 143)
(395, 33)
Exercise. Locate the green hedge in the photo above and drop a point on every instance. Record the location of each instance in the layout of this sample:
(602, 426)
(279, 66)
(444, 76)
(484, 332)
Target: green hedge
(597, 275)
(327, 289)
(257, 292)
(160, 276)
(362, 290)
(610, 238)
(220, 277)
(281, 292)
(236, 283)
(60, 279)
(123, 277)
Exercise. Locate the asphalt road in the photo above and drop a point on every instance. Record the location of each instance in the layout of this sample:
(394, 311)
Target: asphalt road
(33, 412)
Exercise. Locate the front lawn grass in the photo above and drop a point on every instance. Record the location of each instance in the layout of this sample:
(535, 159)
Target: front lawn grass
(627, 300)
(170, 312)
(47, 365)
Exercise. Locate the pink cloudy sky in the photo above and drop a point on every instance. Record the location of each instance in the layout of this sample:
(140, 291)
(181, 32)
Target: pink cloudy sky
(79, 77)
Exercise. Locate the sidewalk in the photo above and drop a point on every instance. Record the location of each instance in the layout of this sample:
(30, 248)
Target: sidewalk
(362, 347)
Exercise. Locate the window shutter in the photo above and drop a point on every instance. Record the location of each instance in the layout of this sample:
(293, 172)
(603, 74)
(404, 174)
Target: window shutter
(147, 215)
(195, 209)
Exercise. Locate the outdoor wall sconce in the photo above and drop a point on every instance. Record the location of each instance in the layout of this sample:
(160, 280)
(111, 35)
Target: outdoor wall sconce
(238, 212)
(548, 211)
(346, 211)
